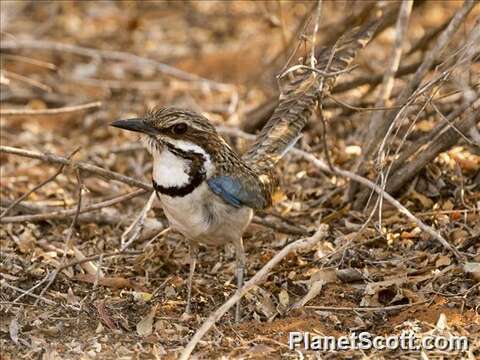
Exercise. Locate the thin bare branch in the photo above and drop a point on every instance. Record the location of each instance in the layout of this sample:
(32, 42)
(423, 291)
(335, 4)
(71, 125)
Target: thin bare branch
(3, 283)
(28, 193)
(301, 244)
(26, 80)
(377, 118)
(134, 230)
(256, 117)
(389, 75)
(84, 166)
(366, 308)
(441, 143)
(281, 227)
(358, 108)
(318, 14)
(31, 61)
(413, 148)
(62, 214)
(381, 128)
(350, 175)
(78, 208)
(62, 110)
(109, 55)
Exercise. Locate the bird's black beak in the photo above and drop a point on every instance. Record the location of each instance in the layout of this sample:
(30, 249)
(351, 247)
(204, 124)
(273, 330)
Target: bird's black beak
(137, 125)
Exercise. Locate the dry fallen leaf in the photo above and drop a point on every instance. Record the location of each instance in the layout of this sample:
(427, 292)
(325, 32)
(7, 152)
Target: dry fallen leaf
(443, 260)
(411, 234)
(265, 303)
(383, 292)
(284, 298)
(467, 161)
(314, 290)
(116, 282)
(473, 268)
(142, 296)
(458, 235)
(104, 315)
(71, 298)
(349, 275)
(13, 331)
(26, 241)
(145, 326)
(426, 202)
(442, 323)
(447, 205)
(425, 125)
(88, 266)
(260, 350)
(325, 275)
(278, 196)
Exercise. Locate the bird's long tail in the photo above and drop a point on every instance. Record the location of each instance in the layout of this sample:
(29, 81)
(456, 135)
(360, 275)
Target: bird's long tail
(300, 96)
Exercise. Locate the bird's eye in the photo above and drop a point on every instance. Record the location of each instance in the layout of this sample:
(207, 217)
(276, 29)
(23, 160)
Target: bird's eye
(180, 128)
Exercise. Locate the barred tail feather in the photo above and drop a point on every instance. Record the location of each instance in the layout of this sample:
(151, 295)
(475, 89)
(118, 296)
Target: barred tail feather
(299, 99)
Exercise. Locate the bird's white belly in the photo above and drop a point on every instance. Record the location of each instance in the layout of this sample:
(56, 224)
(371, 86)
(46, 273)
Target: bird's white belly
(202, 216)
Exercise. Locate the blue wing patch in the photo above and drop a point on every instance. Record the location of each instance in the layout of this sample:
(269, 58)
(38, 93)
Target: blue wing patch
(234, 192)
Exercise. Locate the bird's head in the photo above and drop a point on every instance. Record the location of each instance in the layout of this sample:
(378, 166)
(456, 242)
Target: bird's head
(172, 126)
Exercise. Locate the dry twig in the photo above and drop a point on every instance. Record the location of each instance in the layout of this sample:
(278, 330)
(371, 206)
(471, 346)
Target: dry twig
(134, 230)
(26, 80)
(387, 83)
(427, 138)
(28, 193)
(259, 115)
(441, 143)
(281, 227)
(106, 54)
(350, 175)
(84, 166)
(366, 308)
(62, 267)
(62, 214)
(25, 292)
(62, 110)
(301, 244)
(379, 130)
(71, 229)
(31, 61)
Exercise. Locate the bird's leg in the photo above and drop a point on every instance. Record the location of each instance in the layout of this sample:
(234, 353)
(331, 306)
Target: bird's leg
(240, 268)
(193, 261)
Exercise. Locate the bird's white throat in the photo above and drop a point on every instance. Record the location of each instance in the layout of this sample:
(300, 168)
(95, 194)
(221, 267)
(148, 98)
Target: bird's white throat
(170, 169)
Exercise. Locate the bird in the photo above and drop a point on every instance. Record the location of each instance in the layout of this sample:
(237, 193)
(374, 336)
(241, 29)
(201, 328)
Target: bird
(208, 191)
